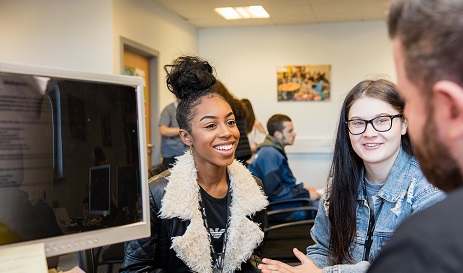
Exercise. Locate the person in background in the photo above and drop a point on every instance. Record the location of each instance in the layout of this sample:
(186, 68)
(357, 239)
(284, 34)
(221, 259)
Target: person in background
(255, 130)
(243, 151)
(375, 183)
(427, 38)
(207, 211)
(271, 166)
(171, 144)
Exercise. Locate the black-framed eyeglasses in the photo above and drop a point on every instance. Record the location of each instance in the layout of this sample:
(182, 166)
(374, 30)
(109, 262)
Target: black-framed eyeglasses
(358, 126)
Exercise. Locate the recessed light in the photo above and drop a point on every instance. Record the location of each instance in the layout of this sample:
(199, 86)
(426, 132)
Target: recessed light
(228, 13)
(232, 13)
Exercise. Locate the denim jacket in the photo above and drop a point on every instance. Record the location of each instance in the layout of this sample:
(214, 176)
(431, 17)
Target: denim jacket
(405, 192)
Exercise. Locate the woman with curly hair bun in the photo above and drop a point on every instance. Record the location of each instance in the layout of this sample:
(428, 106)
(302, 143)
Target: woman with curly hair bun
(207, 211)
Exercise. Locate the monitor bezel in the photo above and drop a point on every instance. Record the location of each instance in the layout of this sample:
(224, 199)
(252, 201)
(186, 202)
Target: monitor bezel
(69, 243)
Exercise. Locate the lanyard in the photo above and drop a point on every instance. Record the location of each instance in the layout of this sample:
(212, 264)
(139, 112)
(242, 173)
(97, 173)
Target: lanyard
(219, 263)
(371, 226)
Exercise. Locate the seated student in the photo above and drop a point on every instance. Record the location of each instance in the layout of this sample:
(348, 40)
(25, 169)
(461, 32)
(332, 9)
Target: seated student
(271, 166)
(375, 183)
(207, 211)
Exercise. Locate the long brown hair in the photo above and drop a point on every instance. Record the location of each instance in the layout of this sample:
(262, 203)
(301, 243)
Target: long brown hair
(346, 169)
(236, 105)
(250, 117)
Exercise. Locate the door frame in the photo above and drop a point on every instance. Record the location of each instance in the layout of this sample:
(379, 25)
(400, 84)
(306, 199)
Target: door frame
(153, 57)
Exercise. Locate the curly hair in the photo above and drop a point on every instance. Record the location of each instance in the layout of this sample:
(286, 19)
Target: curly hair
(189, 78)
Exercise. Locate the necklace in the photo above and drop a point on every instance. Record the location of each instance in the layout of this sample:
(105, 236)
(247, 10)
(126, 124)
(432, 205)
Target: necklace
(218, 261)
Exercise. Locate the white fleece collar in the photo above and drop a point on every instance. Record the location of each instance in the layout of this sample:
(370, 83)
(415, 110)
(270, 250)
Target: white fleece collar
(181, 200)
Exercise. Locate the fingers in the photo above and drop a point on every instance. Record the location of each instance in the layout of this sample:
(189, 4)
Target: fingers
(300, 256)
(269, 265)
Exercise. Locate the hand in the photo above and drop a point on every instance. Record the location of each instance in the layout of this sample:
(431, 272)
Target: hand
(307, 265)
(314, 195)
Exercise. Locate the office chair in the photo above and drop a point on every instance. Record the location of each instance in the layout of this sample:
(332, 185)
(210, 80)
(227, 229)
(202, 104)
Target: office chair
(110, 258)
(106, 259)
(156, 169)
(281, 236)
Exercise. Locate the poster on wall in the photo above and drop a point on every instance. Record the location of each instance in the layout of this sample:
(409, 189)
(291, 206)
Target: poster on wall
(304, 82)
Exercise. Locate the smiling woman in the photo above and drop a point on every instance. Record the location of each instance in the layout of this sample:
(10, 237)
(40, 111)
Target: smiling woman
(375, 183)
(232, 204)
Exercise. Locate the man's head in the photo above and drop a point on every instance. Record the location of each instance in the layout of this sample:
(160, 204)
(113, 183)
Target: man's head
(427, 37)
(281, 127)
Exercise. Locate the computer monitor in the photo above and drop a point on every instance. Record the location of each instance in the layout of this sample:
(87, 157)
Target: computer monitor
(99, 202)
(63, 136)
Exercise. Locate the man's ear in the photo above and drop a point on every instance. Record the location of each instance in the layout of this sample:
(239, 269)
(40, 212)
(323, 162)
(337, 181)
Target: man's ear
(185, 137)
(278, 135)
(448, 107)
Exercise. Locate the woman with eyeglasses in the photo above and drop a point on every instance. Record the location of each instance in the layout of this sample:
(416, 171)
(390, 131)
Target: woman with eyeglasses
(374, 184)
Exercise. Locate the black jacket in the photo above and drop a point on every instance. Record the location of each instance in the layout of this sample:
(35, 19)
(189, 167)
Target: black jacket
(174, 247)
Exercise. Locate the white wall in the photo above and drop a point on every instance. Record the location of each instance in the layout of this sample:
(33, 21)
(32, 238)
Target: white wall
(246, 61)
(69, 34)
(147, 23)
(85, 35)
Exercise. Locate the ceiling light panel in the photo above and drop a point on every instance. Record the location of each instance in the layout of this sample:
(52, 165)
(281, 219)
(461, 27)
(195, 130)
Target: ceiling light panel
(231, 13)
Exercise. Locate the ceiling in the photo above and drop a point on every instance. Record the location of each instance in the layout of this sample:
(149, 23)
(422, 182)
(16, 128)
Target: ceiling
(201, 14)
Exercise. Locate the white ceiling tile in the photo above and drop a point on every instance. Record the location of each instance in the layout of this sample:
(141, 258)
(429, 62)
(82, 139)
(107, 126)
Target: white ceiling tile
(201, 14)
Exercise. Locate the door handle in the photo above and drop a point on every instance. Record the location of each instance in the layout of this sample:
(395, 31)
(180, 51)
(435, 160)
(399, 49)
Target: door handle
(149, 146)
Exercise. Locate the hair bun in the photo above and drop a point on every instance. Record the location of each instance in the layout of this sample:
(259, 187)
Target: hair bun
(187, 75)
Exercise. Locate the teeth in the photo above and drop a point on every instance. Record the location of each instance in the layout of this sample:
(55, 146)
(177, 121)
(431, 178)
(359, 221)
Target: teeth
(224, 147)
(371, 145)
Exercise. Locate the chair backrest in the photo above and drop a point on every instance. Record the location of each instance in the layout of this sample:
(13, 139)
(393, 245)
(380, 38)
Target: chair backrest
(282, 236)
(278, 211)
(156, 169)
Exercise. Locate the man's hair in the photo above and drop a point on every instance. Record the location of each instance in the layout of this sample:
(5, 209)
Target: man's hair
(275, 123)
(431, 34)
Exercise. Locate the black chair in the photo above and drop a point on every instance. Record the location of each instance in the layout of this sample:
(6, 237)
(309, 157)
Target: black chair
(156, 169)
(281, 236)
(110, 258)
(106, 259)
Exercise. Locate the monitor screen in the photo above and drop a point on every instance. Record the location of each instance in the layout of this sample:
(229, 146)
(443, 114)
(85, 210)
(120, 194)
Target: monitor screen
(73, 168)
(99, 202)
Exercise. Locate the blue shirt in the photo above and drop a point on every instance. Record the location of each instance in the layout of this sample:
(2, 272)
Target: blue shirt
(171, 146)
(271, 166)
(405, 192)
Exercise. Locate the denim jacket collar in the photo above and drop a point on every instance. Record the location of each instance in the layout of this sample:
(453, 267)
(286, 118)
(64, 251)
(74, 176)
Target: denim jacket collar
(394, 186)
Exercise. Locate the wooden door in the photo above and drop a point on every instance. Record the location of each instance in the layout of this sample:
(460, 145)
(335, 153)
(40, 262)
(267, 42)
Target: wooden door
(138, 65)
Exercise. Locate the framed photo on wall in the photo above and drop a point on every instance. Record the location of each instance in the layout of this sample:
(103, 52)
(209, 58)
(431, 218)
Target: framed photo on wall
(304, 82)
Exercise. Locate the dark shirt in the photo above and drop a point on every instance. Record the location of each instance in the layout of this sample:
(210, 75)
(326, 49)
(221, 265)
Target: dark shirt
(216, 212)
(243, 150)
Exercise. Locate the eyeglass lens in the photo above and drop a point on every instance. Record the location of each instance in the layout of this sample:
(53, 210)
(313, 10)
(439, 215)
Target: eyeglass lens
(380, 124)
